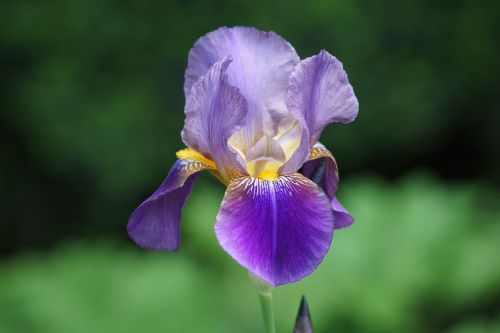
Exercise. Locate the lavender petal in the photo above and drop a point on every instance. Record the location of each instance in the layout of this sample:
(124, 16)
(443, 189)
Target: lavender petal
(319, 93)
(214, 110)
(262, 64)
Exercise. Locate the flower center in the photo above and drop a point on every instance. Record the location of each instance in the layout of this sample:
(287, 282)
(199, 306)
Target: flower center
(264, 158)
(268, 175)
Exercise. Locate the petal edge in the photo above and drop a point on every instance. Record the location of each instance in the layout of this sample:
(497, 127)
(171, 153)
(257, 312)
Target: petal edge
(214, 110)
(319, 93)
(322, 169)
(155, 223)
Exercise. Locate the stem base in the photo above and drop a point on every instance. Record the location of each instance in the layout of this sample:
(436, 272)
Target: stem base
(265, 292)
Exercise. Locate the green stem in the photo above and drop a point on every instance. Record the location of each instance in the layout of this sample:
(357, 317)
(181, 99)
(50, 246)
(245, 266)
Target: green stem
(266, 306)
(265, 292)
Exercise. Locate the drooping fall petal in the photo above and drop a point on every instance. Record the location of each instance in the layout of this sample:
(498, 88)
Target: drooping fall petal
(342, 217)
(279, 230)
(155, 223)
(321, 168)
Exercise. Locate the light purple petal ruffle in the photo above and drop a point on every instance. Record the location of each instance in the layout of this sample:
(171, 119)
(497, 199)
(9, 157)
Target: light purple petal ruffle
(279, 230)
(321, 168)
(214, 110)
(262, 64)
(320, 93)
(155, 223)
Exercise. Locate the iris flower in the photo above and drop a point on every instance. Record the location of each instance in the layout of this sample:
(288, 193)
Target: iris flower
(254, 115)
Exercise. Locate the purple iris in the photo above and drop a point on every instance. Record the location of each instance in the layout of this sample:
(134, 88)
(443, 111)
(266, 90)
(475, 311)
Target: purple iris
(254, 115)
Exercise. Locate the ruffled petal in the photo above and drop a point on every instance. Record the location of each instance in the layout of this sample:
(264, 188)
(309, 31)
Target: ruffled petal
(319, 93)
(321, 168)
(263, 62)
(155, 223)
(214, 110)
(279, 230)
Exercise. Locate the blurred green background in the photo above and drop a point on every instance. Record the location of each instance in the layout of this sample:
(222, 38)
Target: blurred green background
(91, 110)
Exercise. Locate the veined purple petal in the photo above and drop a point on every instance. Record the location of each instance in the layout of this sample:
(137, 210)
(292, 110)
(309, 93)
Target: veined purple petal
(262, 64)
(321, 168)
(320, 93)
(279, 230)
(214, 110)
(155, 223)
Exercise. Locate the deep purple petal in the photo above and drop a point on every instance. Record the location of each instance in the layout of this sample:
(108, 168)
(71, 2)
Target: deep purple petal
(214, 110)
(321, 168)
(155, 223)
(320, 93)
(279, 230)
(342, 217)
(262, 64)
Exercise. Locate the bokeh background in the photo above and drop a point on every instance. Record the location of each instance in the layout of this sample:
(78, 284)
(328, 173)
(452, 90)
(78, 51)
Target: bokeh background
(91, 110)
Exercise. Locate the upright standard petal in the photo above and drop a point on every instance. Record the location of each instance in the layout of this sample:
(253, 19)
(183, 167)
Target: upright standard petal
(321, 168)
(155, 223)
(263, 62)
(319, 93)
(214, 110)
(279, 230)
